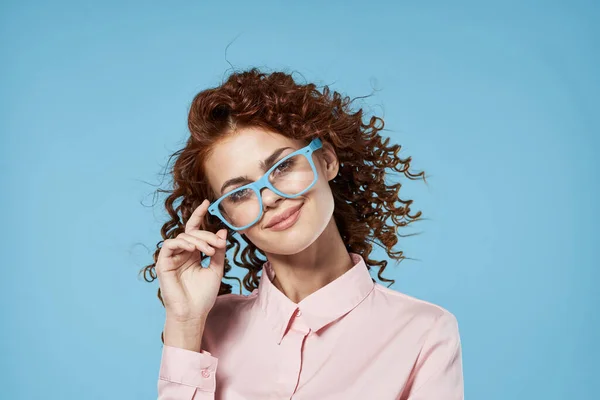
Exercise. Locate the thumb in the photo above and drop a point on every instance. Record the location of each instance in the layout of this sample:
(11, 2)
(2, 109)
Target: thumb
(217, 261)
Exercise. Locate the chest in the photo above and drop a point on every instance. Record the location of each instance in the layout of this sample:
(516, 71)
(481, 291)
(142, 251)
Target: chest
(352, 358)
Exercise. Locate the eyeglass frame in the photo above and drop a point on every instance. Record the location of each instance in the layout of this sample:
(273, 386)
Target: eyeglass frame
(258, 185)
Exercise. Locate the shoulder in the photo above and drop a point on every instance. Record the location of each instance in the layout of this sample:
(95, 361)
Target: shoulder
(425, 316)
(227, 305)
(227, 320)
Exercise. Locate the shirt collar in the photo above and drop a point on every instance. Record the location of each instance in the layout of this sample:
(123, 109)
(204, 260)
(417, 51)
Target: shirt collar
(321, 307)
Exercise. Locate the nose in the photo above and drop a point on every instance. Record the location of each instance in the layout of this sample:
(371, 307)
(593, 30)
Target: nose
(269, 198)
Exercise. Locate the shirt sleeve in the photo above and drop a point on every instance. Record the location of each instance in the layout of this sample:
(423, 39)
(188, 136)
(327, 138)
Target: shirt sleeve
(186, 374)
(438, 372)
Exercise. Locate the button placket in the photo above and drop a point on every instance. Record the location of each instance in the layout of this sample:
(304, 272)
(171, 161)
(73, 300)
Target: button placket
(290, 365)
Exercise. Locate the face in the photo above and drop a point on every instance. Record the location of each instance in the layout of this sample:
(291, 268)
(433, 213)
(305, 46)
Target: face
(240, 155)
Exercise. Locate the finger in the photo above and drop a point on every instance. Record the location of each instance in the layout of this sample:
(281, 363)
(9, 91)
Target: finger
(217, 261)
(196, 218)
(199, 243)
(175, 246)
(209, 237)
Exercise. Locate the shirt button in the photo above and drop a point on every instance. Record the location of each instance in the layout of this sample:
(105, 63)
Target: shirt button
(299, 313)
(205, 373)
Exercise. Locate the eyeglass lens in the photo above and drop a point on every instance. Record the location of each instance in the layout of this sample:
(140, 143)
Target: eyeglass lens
(290, 176)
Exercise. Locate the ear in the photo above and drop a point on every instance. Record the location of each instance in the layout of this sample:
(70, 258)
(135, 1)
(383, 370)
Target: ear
(329, 160)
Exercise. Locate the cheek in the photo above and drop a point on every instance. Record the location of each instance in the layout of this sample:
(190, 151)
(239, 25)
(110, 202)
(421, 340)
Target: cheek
(322, 202)
(322, 189)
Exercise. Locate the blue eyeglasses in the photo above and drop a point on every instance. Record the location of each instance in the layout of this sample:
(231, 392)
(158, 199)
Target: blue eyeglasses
(290, 177)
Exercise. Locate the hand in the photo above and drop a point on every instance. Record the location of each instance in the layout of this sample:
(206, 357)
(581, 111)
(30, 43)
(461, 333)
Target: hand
(189, 290)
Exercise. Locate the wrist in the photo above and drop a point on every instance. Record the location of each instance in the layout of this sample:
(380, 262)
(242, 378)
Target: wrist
(184, 334)
(177, 319)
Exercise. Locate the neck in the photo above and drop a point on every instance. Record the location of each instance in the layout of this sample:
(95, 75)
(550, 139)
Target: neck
(299, 275)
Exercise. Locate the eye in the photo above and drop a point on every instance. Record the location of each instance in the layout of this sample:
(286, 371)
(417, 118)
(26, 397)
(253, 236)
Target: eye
(284, 166)
(239, 195)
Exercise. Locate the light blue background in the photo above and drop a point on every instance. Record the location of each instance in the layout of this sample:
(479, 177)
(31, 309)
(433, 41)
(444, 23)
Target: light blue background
(496, 101)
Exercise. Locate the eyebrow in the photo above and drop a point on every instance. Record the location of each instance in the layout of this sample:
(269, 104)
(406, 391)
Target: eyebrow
(265, 165)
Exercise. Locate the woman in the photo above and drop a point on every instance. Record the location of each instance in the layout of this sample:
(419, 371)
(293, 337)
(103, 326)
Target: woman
(299, 178)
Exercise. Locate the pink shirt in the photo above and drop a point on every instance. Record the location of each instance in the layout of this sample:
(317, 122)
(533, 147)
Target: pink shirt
(353, 339)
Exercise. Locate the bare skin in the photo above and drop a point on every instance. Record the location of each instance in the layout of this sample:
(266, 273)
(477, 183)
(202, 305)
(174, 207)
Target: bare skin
(189, 291)
(308, 255)
(305, 257)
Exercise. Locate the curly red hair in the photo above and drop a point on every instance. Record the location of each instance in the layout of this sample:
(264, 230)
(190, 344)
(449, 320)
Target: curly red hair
(364, 202)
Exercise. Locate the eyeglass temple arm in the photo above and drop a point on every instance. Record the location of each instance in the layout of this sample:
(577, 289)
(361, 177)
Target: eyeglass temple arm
(315, 144)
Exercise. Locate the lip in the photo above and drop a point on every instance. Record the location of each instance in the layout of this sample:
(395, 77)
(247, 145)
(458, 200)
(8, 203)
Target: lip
(289, 221)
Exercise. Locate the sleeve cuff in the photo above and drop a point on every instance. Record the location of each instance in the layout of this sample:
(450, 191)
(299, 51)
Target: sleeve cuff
(189, 368)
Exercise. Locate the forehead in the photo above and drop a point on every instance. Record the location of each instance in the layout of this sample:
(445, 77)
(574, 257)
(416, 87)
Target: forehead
(240, 152)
